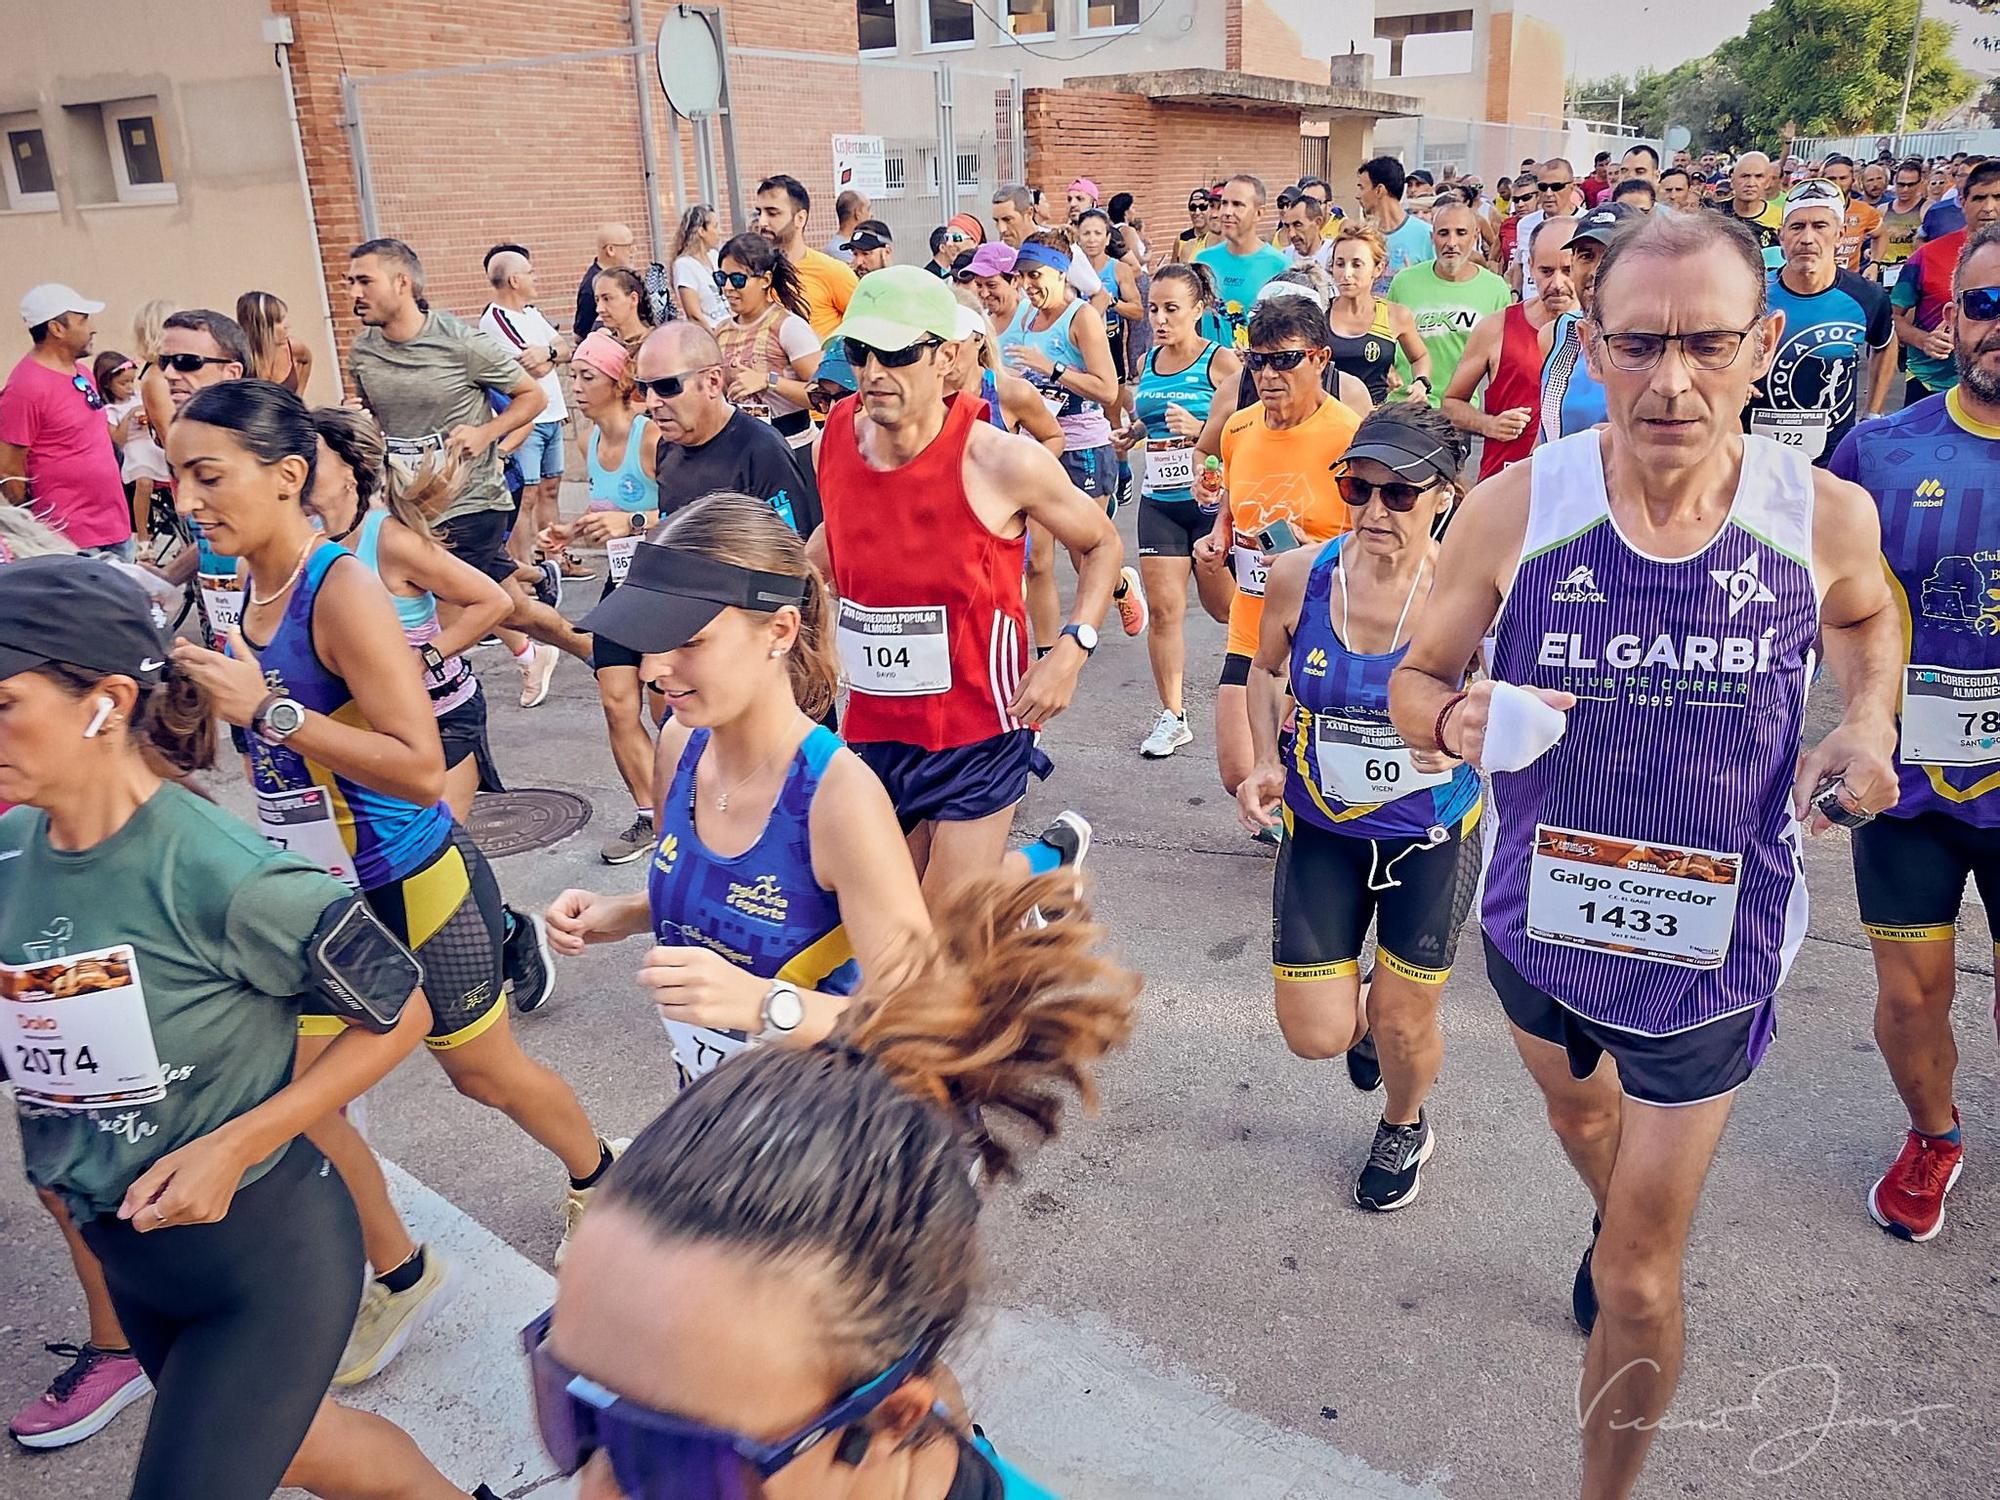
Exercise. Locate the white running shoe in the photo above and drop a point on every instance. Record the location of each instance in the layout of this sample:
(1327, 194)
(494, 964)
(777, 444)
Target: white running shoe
(386, 1320)
(535, 674)
(1170, 732)
(1131, 601)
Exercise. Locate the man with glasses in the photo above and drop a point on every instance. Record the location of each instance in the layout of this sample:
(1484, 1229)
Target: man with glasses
(1930, 469)
(1922, 296)
(1200, 233)
(1665, 583)
(927, 505)
(1902, 220)
(1750, 204)
(1518, 208)
(1808, 399)
(1556, 197)
(616, 245)
(56, 456)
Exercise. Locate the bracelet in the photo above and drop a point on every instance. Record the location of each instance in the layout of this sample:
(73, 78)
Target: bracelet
(1437, 725)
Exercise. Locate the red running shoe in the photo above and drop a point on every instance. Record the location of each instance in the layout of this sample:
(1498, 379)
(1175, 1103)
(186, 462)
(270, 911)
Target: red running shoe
(1908, 1200)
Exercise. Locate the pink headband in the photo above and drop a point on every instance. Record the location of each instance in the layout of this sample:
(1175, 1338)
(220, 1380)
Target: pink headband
(604, 354)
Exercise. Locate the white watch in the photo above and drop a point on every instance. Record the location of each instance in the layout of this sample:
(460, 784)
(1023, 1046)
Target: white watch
(783, 1010)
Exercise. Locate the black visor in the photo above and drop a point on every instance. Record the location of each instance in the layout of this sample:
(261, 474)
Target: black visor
(671, 594)
(1404, 451)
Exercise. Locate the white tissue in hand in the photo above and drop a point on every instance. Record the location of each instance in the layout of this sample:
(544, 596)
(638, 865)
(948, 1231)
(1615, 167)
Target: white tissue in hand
(1520, 727)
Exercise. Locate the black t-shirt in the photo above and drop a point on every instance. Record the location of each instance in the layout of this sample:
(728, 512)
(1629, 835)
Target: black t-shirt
(750, 457)
(586, 304)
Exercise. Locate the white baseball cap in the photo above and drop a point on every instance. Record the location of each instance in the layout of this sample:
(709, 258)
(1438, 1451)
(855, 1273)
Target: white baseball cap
(51, 300)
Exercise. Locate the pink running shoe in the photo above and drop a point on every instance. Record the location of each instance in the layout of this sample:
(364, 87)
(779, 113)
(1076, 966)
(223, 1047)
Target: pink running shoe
(82, 1400)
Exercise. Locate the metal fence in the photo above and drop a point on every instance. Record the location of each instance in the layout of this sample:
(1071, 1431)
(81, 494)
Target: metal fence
(1489, 148)
(1921, 144)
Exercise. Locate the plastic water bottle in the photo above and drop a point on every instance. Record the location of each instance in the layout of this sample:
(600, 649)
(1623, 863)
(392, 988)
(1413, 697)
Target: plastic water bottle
(1208, 484)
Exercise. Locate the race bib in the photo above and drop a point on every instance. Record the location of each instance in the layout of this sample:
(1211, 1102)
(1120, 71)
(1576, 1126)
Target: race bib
(76, 1032)
(619, 552)
(1169, 465)
(1951, 716)
(221, 603)
(701, 1049)
(1363, 761)
(1251, 569)
(894, 653)
(414, 447)
(302, 821)
(1647, 901)
(1891, 274)
(1805, 430)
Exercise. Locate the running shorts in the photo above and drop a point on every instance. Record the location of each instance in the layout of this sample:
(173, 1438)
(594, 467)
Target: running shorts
(1910, 875)
(1329, 886)
(605, 652)
(1683, 1067)
(463, 732)
(1095, 472)
(1235, 670)
(1170, 528)
(479, 538)
(959, 785)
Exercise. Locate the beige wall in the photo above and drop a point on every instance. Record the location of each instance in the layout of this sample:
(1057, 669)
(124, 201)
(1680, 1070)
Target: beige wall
(241, 221)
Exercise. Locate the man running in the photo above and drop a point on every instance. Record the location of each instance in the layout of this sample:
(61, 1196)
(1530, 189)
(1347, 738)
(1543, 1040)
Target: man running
(1860, 219)
(927, 505)
(513, 319)
(1014, 220)
(1930, 468)
(1449, 293)
(1677, 191)
(1572, 391)
(1556, 197)
(1504, 352)
(1750, 189)
(429, 378)
(1922, 295)
(782, 209)
(1380, 185)
(1662, 581)
(1242, 263)
(1302, 223)
(1902, 217)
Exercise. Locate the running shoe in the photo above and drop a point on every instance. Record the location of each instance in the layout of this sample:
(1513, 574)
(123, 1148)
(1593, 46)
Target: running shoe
(1364, 1065)
(535, 674)
(548, 583)
(576, 1200)
(1170, 732)
(1908, 1200)
(527, 963)
(1394, 1173)
(1130, 597)
(82, 1399)
(386, 1321)
(634, 843)
(1583, 1291)
(1069, 836)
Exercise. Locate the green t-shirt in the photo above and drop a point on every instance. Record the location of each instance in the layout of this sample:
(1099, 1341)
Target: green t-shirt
(1445, 312)
(1238, 279)
(217, 923)
(441, 379)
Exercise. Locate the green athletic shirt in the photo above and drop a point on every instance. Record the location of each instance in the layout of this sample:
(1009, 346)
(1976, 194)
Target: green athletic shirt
(1445, 312)
(218, 922)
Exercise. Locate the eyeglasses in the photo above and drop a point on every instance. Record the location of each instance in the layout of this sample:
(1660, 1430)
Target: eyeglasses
(669, 386)
(957, 238)
(1980, 303)
(1396, 494)
(656, 1455)
(1276, 359)
(90, 396)
(736, 279)
(187, 364)
(1704, 349)
(859, 353)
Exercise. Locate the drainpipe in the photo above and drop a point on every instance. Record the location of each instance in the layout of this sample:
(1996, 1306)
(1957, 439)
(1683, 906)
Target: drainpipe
(278, 32)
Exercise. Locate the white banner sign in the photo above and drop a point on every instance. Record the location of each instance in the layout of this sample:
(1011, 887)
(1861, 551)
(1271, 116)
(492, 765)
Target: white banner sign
(858, 163)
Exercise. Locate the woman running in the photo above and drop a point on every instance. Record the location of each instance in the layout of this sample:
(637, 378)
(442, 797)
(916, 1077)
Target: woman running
(623, 308)
(1373, 829)
(166, 1116)
(1367, 329)
(769, 350)
(1093, 238)
(738, 1297)
(695, 244)
(1059, 347)
(365, 506)
(278, 356)
(1012, 404)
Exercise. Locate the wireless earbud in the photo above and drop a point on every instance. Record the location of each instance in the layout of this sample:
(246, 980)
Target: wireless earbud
(97, 720)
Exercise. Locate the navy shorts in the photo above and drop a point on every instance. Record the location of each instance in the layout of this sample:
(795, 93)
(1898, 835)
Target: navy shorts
(959, 785)
(1095, 472)
(1683, 1067)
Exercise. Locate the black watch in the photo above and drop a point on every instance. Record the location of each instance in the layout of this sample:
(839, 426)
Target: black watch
(433, 658)
(1084, 635)
(1057, 371)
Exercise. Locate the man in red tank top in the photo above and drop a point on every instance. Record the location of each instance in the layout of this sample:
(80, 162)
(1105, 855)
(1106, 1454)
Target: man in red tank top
(1504, 354)
(926, 507)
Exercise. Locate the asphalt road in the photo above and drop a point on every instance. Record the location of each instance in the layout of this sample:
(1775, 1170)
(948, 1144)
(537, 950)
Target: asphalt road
(1187, 1302)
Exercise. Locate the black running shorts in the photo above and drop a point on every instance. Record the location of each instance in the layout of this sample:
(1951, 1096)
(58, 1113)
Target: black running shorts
(1330, 886)
(1170, 528)
(1910, 874)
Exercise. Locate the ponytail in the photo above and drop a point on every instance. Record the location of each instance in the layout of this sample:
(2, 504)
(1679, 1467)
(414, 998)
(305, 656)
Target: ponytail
(760, 257)
(172, 724)
(1199, 276)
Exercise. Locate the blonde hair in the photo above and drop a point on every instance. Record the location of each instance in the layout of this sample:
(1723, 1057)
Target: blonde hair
(260, 313)
(149, 325)
(967, 298)
(1368, 235)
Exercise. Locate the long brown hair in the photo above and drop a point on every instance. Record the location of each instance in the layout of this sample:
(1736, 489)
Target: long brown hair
(414, 497)
(172, 722)
(260, 313)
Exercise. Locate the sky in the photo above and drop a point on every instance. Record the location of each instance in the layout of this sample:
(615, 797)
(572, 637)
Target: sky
(1618, 38)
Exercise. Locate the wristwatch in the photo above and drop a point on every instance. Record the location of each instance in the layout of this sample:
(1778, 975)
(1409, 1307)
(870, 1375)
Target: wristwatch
(1084, 635)
(277, 718)
(638, 521)
(1057, 371)
(771, 380)
(432, 657)
(783, 1010)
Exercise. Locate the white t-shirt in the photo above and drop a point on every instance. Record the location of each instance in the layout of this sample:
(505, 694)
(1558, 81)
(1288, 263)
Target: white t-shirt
(1322, 257)
(1524, 243)
(528, 329)
(699, 272)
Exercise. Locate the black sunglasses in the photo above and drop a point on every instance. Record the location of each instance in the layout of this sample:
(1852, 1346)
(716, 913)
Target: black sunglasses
(736, 279)
(669, 386)
(820, 396)
(187, 364)
(1276, 359)
(1980, 303)
(1396, 494)
(859, 353)
(90, 396)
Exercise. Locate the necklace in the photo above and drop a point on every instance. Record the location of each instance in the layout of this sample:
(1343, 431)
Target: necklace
(722, 797)
(272, 598)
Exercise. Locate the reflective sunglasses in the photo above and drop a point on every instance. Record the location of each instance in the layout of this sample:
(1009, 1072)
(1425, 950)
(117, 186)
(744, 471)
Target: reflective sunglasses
(736, 279)
(821, 396)
(669, 386)
(859, 353)
(1198, 205)
(656, 1455)
(187, 364)
(1276, 359)
(957, 237)
(88, 391)
(1980, 303)
(1397, 494)
(1704, 349)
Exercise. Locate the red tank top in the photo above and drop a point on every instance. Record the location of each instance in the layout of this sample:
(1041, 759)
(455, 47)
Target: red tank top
(931, 631)
(1517, 382)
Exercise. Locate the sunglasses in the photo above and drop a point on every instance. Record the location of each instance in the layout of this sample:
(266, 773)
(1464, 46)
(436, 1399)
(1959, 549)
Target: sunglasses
(956, 238)
(736, 279)
(187, 364)
(859, 353)
(1980, 303)
(669, 386)
(1398, 495)
(821, 397)
(656, 1455)
(1554, 187)
(1198, 205)
(89, 392)
(1277, 359)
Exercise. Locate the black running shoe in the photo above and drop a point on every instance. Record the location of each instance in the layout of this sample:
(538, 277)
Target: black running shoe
(526, 962)
(1583, 1294)
(1394, 1173)
(549, 583)
(1364, 1067)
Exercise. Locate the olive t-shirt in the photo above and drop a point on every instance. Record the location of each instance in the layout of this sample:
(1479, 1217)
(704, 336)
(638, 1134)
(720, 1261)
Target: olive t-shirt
(439, 380)
(217, 922)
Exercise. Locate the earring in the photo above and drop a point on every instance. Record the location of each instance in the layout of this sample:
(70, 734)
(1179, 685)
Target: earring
(776, 653)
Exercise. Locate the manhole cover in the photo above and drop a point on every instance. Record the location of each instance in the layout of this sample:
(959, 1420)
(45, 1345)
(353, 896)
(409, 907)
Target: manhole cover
(504, 823)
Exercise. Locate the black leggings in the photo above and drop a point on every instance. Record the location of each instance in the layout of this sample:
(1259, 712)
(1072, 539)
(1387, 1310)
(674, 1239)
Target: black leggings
(239, 1324)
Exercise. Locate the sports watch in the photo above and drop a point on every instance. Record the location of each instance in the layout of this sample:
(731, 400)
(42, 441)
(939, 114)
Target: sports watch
(1084, 635)
(638, 521)
(783, 1010)
(277, 718)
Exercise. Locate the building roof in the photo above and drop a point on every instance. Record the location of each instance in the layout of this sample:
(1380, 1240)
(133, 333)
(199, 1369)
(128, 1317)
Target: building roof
(1214, 86)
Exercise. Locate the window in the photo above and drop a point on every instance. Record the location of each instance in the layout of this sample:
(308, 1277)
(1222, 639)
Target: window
(948, 23)
(1416, 46)
(877, 20)
(30, 180)
(895, 172)
(1031, 17)
(1109, 15)
(139, 165)
(968, 171)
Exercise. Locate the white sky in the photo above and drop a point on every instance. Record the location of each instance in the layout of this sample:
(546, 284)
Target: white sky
(1629, 34)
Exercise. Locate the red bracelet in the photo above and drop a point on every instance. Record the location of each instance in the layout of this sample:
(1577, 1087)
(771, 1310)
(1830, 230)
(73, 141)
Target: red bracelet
(1437, 726)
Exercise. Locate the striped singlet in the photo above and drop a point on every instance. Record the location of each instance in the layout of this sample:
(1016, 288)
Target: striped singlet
(1572, 399)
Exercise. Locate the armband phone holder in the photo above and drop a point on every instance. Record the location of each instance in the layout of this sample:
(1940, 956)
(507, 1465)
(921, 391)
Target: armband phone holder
(360, 971)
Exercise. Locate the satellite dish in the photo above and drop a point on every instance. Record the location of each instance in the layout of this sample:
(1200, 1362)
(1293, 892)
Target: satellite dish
(690, 64)
(1678, 137)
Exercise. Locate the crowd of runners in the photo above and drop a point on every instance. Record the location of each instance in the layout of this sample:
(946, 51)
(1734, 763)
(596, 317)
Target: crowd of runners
(1514, 508)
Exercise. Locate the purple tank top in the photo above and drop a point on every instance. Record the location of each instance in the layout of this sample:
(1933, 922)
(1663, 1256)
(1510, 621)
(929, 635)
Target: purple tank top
(1645, 871)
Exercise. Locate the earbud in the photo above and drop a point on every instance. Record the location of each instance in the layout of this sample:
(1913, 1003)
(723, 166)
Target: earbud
(105, 707)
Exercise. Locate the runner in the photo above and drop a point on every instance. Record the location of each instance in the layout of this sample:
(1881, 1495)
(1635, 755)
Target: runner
(1177, 393)
(1677, 190)
(277, 355)
(1505, 354)
(1059, 347)
(1809, 398)
(1380, 185)
(926, 510)
(1302, 225)
(1923, 293)
(1241, 264)
(1372, 829)
(769, 350)
(1646, 902)
(519, 327)
(1902, 216)
(1929, 468)
(734, 1302)
(1861, 221)
(1448, 293)
(383, 519)
(1573, 396)
(623, 308)
(1012, 404)
(1637, 194)
(1556, 197)
(1750, 204)
(1278, 455)
(1510, 244)
(1093, 237)
(1367, 329)
(782, 208)
(1014, 221)
(233, 1258)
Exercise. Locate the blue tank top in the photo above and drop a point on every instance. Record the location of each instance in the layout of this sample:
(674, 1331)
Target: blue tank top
(1345, 761)
(989, 390)
(1192, 389)
(454, 682)
(1572, 400)
(763, 910)
(385, 837)
(629, 486)
(1083, 422)
(1645, 871)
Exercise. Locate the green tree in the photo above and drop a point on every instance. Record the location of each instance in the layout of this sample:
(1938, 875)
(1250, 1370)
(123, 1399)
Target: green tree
(1835, 67)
